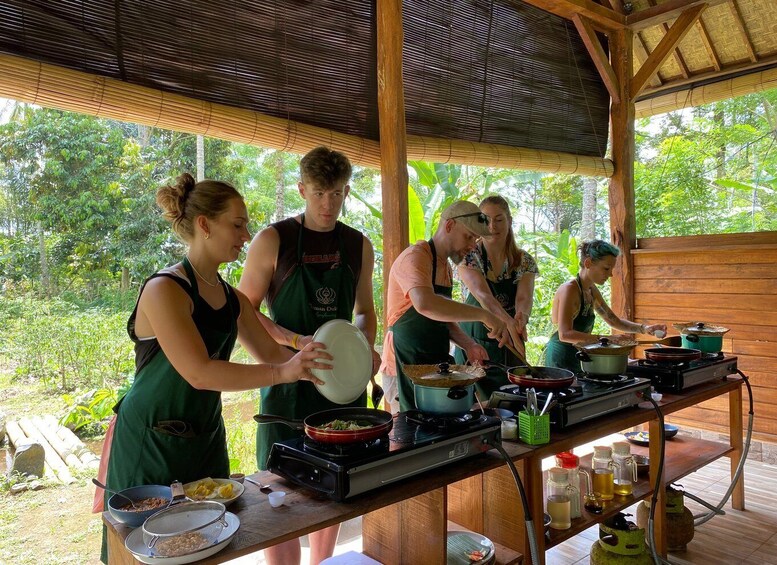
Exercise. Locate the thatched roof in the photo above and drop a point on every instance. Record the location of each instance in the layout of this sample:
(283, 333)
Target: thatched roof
(481, 77)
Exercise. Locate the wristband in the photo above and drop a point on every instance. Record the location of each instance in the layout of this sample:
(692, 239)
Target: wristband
(294, 340)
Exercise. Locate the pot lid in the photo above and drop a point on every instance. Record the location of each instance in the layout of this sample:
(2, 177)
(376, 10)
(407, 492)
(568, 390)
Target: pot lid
(608, 345)
(443, 374)
(699, 328)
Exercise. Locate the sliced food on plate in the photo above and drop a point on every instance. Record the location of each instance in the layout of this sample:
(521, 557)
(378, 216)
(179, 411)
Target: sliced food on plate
(220, 490)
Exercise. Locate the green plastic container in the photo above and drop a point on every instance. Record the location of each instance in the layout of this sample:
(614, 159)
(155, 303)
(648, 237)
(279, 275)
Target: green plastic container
(534, 430)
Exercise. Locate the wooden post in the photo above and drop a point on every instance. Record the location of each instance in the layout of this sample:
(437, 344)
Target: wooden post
(393, 135)
(621, 193)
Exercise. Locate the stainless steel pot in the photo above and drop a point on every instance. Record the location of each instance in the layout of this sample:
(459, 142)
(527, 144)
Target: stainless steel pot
(451, 401)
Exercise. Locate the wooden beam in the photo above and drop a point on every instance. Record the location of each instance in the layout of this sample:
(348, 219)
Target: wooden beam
(615, 5)
(664, 12)
(602, 18)
(665, 47)
(722, 90)
(742, 30)
(675, 52)
(705, 39)
(641, 53)
(621, 190)
(600, 59)
(393, 133)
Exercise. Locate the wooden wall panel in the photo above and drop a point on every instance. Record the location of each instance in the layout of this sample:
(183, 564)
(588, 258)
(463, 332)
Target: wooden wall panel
(729, 280)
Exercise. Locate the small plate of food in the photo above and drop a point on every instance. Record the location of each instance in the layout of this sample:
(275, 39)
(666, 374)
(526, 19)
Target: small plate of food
(643, 438)
(225, 491)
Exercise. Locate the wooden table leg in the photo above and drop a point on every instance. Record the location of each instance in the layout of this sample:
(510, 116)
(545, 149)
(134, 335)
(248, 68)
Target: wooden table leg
(411, 531)
(737, 442)
(533, 484)
(117, 553)
(659, 524)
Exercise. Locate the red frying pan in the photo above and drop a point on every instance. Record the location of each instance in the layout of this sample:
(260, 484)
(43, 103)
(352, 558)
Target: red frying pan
(377, 423)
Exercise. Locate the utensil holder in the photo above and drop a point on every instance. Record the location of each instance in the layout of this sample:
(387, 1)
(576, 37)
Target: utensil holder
(534, 430)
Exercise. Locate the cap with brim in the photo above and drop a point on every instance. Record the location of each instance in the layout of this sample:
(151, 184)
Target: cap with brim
(469, 215)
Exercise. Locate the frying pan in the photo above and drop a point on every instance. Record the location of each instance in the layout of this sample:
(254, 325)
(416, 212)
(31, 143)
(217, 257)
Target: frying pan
(537, 377)
(380, 423)
(672, 354)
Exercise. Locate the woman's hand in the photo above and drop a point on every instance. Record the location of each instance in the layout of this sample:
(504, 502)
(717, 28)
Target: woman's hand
(651, 330)
(522, 320)
(303, 341)
(298, 367)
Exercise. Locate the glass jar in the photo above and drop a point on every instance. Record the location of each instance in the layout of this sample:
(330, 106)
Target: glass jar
(571, 463)
(560, 494)
(626, 469)
(603, 468)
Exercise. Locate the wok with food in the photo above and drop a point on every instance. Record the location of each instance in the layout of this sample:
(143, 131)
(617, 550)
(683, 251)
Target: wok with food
(340, 425)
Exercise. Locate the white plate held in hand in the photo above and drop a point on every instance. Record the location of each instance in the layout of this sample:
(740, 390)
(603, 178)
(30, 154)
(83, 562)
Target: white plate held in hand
(351, 363)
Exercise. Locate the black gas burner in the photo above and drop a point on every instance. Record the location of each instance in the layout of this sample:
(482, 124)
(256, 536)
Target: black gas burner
(584, 400)
(676, 377)
(603, 379)
(443, 423)
(409, 449)
(343, 450)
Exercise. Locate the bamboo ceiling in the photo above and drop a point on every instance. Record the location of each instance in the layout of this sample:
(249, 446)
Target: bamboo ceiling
(513, 83)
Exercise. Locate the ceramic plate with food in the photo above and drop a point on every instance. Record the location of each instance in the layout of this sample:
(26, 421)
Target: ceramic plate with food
(643, 438)
(225, 491)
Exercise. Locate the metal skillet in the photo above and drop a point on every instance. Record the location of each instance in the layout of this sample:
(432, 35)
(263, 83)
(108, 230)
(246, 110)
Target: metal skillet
(539, 377)
(377, 423)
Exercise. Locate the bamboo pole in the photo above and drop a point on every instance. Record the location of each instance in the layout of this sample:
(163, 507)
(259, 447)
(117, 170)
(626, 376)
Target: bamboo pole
(708, 93)
(84, 454)
(52, 457)
(56, 87)
(65, 453)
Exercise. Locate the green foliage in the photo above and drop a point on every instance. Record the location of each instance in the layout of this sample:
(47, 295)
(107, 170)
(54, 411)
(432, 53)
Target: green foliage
(90, 412)
(65, 347)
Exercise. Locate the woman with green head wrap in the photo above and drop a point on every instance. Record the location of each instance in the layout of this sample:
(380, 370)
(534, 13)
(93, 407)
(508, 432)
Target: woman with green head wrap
(576, 301)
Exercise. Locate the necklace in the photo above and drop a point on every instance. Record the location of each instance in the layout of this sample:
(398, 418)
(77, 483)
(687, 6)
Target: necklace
(196, 272)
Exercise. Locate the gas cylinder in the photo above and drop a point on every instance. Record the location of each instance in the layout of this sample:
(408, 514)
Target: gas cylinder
(679, 520)
(620, 542)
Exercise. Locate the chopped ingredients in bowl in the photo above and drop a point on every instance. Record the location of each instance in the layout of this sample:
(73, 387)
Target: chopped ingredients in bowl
(476, 555)
(145, 504)
(208, 488)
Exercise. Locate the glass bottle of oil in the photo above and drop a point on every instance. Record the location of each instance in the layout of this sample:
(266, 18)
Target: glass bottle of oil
(559, 502)
(603, 468)
(626, 469)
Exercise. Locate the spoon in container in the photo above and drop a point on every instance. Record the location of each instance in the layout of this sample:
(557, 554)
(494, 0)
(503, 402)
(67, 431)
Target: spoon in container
(102, 486)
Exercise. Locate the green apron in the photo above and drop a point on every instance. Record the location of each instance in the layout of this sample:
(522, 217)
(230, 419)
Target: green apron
(167, 430)
(561, 354)
(307, 300)
(504, 291)
(419, 340)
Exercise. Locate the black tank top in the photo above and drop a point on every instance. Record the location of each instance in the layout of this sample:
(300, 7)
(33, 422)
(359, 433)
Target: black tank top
(321, 251)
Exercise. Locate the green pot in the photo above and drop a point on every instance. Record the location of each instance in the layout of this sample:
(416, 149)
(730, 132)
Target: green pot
(704, 343)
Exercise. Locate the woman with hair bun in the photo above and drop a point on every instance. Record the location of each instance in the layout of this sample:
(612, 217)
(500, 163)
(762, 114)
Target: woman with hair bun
(498, 276)
(169, 424)
(575, 302)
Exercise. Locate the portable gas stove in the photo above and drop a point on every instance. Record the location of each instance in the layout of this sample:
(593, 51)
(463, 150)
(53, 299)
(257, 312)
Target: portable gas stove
(676, 377)
(587, 398)
(417, 442)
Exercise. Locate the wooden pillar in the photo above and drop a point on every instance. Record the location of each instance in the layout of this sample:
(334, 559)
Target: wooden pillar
(393, 135)
(621, 193)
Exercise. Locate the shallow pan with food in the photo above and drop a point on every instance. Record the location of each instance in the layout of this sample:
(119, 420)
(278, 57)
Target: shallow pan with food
(367, 424)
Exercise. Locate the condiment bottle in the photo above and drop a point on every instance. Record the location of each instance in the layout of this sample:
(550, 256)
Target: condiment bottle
(560, 493)
(603, 468)
(626, 468)
(571, 463)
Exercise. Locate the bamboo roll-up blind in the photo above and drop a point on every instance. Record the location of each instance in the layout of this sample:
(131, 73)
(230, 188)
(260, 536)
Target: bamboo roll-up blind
(708, 93)
(55, 87)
